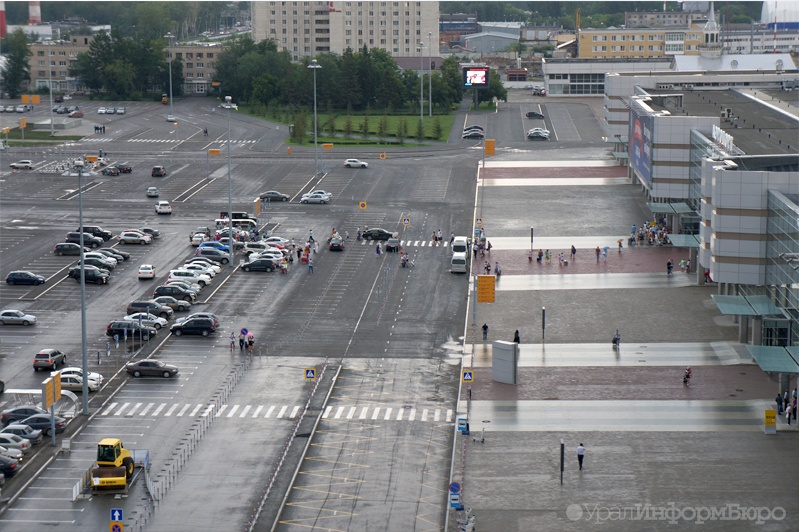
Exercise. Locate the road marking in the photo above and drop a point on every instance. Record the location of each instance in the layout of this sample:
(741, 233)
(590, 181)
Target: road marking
(133, 410)
(351, 412)
(388, 414)
(232, 410)
(412, 416)
(122, 409)
(171, 409)
(424, 414)
(146, 409)
(109, 409)
(245, 410)
(183, 410)
(437, 415)
(400, 411)
(377, 413)
(449, 415)
(294, 412)
(257, 411)
(282, 411)
(339, 411)
(160, 407)
(327, 412)
(197, 409)
(269, 412)
(363, 412)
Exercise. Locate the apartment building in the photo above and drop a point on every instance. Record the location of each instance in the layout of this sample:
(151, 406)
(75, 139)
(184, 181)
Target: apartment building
(309, 28)
(49, 62)
(198, 65)
(638, 43)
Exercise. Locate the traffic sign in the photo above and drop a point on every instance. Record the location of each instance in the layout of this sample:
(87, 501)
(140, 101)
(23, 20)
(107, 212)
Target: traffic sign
(486, 289)
(362, 205)
(406, 221)
(113, 526)
(310, 374)
(467, 376)
(454, 487)
(116, 514)
(383, 156)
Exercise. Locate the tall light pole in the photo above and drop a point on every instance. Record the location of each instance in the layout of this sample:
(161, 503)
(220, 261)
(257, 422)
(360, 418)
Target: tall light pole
(50, 84)
(229, 187)
(430, 77)
(315, 66)
(169, 37)
(84, 343)
(421, 83)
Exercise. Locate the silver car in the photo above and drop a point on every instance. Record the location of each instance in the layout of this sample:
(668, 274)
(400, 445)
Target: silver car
(16, 317)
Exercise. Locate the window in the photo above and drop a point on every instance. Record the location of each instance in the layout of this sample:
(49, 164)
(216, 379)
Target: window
(189, 74)
(200, 75)
(189, 65)
(200, 65)
(210, 55)
(199, 56)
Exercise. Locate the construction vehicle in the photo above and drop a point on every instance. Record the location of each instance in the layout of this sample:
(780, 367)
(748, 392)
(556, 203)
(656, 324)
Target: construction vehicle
(115, 466)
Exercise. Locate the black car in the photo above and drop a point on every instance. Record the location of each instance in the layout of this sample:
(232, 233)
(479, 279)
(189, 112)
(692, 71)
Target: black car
(98, 263)
(263, 264)
(14, 414)
(124, 168)
(174, 291)
(534, 114)
(158, 171)
(155, 233)
(153, 307)
(8, 466)
(42, 422)
(88, 239)
(376, 233)
(111, 170)
(274, 195)
(24, 277)
(336, 244)
(473, 134)
(93, 275)
(132, 328)
(472, 127)
(96, 230)
(114, 254)
(203, 326)
(68, 248)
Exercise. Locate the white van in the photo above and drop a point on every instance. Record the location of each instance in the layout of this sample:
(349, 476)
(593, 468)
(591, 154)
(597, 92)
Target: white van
(459, 263)
(460, 245)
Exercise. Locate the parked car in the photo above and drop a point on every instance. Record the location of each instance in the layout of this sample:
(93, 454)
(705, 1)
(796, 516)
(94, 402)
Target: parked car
(274, 195)
(115, 253)
(14, 454)
(131, 329)
(533, 114)
(49, 359)
(355, 163)
(194, 326)
(102, 257)
(145, 318)
(91, 275)
(23, 431)
(261, 264)
(376, 233)
(163, 207)
(151, 368)
(120, 110)
(88, 239)
(213, 254)
(152, 192)
(190, 276)
(17, 413)
(199, 268)
(41, 422)
(199, 238)
(146, 271)
(24, 277)
(151, 306)
(158, 171)
(78, 372)
(8, 467)
(25, 164)
(74, 383)
(132, 237)
(314, 198)
(16, 317)
(215, 244)
(111, 111)
(155, 233)
(204, 315)
(98, 263)
(205, 263)
(174, 304)
(175, 291)
(13, 441)
(76, 114)
(101, 111)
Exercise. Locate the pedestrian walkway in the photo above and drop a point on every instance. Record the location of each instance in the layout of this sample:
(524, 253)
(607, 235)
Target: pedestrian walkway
(596, 355)
(621, 416)
(593, 281)
(556, 242)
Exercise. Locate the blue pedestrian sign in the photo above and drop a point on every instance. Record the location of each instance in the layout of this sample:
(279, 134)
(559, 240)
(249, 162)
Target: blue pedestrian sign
(116, 514)
(467, 376)
(310, 374)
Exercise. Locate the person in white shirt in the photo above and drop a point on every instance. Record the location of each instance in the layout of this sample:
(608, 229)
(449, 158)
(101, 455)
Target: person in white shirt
(580, 455)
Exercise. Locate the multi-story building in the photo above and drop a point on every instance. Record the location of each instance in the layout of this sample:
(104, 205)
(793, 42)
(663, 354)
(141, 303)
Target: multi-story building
(637, 43)
(198, 65)
(656, 19)
(49, 62)
(309, 28)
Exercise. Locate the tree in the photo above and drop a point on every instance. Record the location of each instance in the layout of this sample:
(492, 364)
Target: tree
(402, 130)
(382, 128)
(16, 70)
(364, 127)
(298, 131)
(419, 131)
(348, 127)
(437, 129)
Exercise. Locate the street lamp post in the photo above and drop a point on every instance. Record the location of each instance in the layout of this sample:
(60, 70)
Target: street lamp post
(50, 84)
(315, 66)
(421, 83)
(430, 77)
(169, 37)
(84, 343)
(229, 188)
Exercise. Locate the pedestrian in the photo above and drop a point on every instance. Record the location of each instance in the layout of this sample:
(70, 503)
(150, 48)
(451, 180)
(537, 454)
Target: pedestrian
(620, 245)
(547, 256)
(682, 265)
(580, 455)
(540, 258)
(451, 238)
(474, 249)
(516, 337)
(299, 253)
(605, 253)
(485, 334)
(250, 341)
(316, 248)
(669, 267)
(688, 266)
(793, 408)
(103, 130)
(598, 251)
(242, 339)
(574, 252)
(310, 264)
(233, 344)
(488, 248)
(377, 250)
(346, 235)
(788, 414)
(778, 400)
(440, 236)
(617, 338)
(358, 234)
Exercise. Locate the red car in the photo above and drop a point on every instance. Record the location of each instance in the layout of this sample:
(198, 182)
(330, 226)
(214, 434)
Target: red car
(76, 114)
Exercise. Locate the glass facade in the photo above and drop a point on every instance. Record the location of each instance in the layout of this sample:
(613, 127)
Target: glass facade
(701, 148)
(782, 253)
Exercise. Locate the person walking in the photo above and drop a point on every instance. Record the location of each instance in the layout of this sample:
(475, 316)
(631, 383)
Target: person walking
(233, 344)
(778, 400)
(250, 342)
(485, 337)
(598, 251)
(617, 338)
(451, 238)
(310, 264)
(669, 267)
(788, 414)
(377, 250)
(580, 455)
(516, 337)
(242, 339)
(574, 253)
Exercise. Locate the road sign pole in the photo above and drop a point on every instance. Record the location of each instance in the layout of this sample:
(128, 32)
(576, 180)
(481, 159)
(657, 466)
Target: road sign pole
(562, 460)
(543, 324)
(532, 235)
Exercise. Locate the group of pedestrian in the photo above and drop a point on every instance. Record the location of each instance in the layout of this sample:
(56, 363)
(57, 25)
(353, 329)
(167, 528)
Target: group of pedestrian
(438, 237)
(99, 129)
(787, 405)
(246, 341)
(654, 235)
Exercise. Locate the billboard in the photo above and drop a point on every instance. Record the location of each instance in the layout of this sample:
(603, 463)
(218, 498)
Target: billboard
(641, 145)
(475, 77)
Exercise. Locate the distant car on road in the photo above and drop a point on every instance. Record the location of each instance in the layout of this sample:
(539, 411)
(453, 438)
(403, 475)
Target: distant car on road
(474, 134)
(534, 114)
(111, 170)
(25, 164)
(146, 271)
(314, 198)
(16, 317)
(336, 244)
(49, 358)
(152, 192)
(163, 207)
(134, 237)
(158, 171)
(125, 168)
(355, 163)
(376, 233)
(274, 195)
(171, 118)
(76, 114)
(151, 368)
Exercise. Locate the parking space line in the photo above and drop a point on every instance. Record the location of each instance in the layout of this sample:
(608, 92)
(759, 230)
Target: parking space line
(449, 415)
(437, 415)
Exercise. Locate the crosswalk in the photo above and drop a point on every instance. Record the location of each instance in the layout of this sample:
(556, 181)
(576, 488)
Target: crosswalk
(133, 409)
(411, 243)
(160, 141)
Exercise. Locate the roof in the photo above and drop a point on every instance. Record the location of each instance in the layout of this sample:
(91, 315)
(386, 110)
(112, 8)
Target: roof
(739, 62)
(486, 34)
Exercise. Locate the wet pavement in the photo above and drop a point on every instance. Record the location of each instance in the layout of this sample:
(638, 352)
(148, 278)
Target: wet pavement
(650, 439)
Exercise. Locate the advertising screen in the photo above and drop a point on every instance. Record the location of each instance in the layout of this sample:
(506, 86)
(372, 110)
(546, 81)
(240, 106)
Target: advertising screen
(641, 146)
(475, 77)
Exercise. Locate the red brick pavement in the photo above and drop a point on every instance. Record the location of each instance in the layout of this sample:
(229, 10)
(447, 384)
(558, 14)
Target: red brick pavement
(644, 259)
(565, 171)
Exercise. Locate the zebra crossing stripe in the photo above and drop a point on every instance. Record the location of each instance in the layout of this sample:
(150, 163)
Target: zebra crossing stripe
(207, 410)
(109, 409)
(282, 411)
(388, 414)
(364, 411)
(269, 412)
(400, 411)
(424, 414)
(412, 416)
(171, 409)
(338, 412)
(119, 412)
(257, 411)
(158, 410)
(327, 412)
(351, 412)
(377, 413)
(436, 416)
(133, 410)
(245, 410)
(294, 412)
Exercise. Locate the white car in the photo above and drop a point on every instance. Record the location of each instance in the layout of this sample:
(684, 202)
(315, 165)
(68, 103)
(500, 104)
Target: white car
(75, 383)
(101, 111)
(134, 237)
(200, 269)
(190, 276)
(25, 164)
(268, 254)
(204, 315)
(171, 118)
(314, 198)
(120, 110)
(146, 271)
(16, 454)
(100, 256)
(355, 163)
(163, 207)
(67, 97)
(12, 441)
(205, 263)
(323, 192)
(16, 317)
(150, 320)
(74, 370)
(276, 240)
(199, 238)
